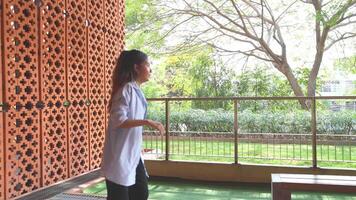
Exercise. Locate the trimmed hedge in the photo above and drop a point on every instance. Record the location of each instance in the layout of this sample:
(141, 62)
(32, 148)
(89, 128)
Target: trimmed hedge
(343, 122)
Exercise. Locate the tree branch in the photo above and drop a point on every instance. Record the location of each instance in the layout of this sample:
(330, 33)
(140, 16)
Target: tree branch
(169, 31)
(307, 1)
(216, 22)
(343, 37)
(343, 24)
(247, 53)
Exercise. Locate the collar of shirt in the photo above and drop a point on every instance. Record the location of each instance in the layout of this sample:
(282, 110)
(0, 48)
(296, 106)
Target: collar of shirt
(140, 93)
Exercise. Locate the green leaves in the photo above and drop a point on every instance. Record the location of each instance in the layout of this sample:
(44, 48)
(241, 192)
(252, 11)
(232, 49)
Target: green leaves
(303, 74)
(266, 121)
(142, 23)
(347, 64)
(333, 12)
(321, 16)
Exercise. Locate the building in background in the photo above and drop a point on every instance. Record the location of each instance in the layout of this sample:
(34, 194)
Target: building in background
(340, 83)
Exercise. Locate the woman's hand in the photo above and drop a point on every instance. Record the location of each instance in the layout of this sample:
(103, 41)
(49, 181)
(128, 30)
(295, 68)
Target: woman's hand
(156, 125)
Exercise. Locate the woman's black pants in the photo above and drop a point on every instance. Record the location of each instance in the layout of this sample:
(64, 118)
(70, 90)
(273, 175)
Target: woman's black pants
(138, 191)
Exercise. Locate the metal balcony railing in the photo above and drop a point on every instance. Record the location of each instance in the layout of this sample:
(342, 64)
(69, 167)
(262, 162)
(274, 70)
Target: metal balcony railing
(314, 148)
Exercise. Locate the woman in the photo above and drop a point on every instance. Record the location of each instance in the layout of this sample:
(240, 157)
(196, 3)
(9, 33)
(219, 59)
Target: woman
(122, 164)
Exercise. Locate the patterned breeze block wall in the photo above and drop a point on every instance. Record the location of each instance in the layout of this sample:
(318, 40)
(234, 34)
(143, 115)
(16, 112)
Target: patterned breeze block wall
(56, 63)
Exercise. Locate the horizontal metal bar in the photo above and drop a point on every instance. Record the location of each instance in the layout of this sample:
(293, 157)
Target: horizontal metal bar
(246, 98)
(241, 133)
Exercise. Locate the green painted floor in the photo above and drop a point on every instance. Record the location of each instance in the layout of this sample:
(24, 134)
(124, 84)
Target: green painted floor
(178, 190)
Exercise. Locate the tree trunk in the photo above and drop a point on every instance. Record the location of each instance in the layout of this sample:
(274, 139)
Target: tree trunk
(287, 71)
(317, 62)
(313, 75)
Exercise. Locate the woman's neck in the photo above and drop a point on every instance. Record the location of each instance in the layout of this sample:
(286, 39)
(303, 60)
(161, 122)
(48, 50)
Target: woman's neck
(138, 82)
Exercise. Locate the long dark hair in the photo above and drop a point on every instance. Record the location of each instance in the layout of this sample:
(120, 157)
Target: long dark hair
(124, 70)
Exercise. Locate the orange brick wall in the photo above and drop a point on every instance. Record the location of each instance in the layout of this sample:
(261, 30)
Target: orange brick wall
(56, 64)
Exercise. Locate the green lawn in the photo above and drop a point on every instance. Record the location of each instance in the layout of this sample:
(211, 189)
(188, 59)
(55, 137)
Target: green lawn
(258, 153)
(194, 190)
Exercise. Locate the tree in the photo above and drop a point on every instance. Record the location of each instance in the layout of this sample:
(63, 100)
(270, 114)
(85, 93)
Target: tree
(347, 64)
(143, 22)
(198, 74)
(212, 78)
(254, 25)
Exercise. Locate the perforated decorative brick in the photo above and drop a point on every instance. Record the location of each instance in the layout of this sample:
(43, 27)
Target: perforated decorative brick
(56, 74)
(55, 155)
(22, 137)
(77, 88)
(96, 70)
(2, 110)
(114, 41)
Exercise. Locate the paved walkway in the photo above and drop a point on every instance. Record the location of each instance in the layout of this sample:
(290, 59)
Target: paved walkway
(57, 190)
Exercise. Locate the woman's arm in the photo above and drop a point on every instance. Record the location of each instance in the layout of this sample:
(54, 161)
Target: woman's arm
(119, 113)
(130, 123)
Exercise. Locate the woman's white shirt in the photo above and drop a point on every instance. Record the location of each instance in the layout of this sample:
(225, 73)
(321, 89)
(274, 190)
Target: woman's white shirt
(122, 148)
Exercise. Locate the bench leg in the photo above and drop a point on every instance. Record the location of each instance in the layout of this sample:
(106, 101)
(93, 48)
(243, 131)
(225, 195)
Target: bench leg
(279, 193)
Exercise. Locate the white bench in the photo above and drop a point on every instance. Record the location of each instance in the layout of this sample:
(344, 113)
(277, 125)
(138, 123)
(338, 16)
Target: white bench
(283, 184)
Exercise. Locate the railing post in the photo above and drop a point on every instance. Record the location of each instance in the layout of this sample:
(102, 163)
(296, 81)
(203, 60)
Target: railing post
(313, 124)
(167, 128)
(236, 128)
